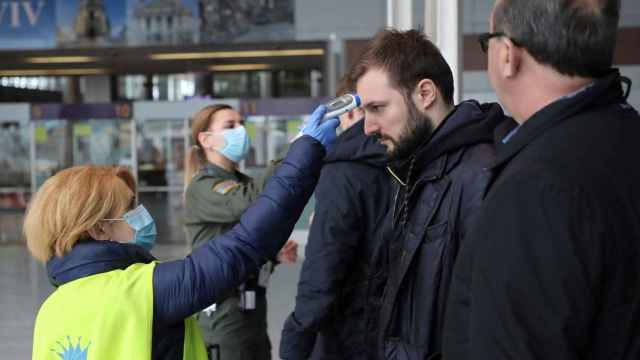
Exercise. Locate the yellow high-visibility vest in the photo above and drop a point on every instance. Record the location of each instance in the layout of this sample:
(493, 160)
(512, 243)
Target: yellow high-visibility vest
(105, 316)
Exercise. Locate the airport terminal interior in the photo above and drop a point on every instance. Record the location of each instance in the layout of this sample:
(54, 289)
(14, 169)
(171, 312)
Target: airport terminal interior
(117, 82)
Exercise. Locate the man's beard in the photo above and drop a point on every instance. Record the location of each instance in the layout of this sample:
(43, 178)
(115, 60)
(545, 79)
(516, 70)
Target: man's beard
(419, 129)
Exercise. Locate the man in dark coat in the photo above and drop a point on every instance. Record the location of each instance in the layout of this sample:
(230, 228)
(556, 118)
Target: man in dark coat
(343, 274)
(551, 267)
(439, 152)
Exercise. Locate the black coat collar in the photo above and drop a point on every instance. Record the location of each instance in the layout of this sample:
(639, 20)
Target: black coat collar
(605, 90)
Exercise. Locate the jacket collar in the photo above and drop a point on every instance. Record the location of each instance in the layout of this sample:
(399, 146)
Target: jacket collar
(435, 170)
(91, 257)
(468, 124)
(354, 145)
(606, 90)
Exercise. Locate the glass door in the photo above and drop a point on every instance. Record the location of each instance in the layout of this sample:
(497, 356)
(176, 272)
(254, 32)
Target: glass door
(50, 155)
(102, 142)
(14, 178)
(160, 153)
(15, 164)
(60, 144)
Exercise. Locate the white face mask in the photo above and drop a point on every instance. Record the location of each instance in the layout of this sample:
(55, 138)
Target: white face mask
(141, 221)
(237, 144)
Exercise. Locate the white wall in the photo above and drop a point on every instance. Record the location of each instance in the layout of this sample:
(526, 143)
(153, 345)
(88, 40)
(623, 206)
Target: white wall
(353, 19)
(20, 112)
(476, 83)
(477, 86)
(633, 73)
(359, 19)
(475, 16)
(630, 13)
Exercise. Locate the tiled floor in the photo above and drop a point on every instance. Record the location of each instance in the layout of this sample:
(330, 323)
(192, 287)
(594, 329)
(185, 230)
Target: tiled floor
(23, 287)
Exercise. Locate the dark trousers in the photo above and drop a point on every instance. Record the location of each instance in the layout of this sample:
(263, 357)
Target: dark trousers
(235, 334)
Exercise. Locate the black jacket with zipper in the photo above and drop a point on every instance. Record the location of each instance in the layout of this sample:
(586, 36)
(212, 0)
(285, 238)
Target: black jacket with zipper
(343, 274)
(440, 187)
(551, 269)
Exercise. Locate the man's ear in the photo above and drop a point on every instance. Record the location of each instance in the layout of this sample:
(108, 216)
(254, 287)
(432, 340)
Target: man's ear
(97, 232)
(425, 94)
(510, 58)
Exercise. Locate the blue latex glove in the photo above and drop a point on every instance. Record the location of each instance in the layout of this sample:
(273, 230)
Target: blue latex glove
(324, 132)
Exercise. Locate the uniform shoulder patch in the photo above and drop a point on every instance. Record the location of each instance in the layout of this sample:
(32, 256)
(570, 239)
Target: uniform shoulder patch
(225, 187)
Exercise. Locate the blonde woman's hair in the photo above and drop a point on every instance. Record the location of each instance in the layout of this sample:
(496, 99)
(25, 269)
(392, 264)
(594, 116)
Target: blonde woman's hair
(196, 157)
(73, 201)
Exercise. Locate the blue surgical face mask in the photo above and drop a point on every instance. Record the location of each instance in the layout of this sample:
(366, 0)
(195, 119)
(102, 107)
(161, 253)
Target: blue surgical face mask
(141, 221)
(236, 144)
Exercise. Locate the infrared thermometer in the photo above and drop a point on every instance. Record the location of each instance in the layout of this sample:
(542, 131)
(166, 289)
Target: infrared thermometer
(341, 105)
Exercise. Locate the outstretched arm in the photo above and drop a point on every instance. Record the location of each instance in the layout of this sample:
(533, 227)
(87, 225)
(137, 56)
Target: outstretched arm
(184, 287)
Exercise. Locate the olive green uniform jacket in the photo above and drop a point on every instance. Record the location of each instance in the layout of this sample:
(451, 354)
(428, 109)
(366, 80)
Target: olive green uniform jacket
(214, 201)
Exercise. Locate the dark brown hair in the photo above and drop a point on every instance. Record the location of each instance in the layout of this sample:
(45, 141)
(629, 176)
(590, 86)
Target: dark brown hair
(407, 57)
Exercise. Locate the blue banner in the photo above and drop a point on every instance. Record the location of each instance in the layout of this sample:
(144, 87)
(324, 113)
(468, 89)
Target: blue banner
(27, 24)
(46, 24)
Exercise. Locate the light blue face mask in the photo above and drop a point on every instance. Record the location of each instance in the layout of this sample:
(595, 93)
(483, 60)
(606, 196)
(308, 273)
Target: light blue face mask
(141, 221)
(236, 144)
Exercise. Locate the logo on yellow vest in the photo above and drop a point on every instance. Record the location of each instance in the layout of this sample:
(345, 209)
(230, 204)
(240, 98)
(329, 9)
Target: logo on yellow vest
(71, 351)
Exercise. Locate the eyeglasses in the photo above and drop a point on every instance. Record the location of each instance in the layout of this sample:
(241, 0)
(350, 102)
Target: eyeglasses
(483, 39)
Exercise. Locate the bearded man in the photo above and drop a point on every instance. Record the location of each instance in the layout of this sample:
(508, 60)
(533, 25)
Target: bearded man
(439, 154)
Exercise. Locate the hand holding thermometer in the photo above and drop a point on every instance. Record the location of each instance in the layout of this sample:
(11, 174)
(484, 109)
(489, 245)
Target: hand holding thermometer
(315, 124)
(341, 105)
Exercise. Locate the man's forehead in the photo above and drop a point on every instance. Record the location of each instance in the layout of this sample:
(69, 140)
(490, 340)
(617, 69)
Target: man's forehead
(374, 85)
(373, 75)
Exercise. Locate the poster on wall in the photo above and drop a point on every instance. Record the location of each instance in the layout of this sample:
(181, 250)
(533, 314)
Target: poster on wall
(246, 20)
(44, 24)
(89, 23)
(161, 22)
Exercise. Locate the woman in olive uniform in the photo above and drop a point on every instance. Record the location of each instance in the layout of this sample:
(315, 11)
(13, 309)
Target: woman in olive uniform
(216, 195)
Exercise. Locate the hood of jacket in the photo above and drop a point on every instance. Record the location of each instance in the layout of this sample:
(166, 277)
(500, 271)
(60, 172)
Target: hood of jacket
(603, 91)
(354, 145)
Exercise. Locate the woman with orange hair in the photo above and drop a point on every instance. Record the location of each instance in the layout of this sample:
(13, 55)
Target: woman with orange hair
(111, 296)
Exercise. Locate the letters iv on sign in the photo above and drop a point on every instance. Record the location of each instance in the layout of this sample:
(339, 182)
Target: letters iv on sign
(12, 12)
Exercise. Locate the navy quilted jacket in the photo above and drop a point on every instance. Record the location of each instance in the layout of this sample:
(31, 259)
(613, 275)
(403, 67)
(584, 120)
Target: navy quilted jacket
(186, 286)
